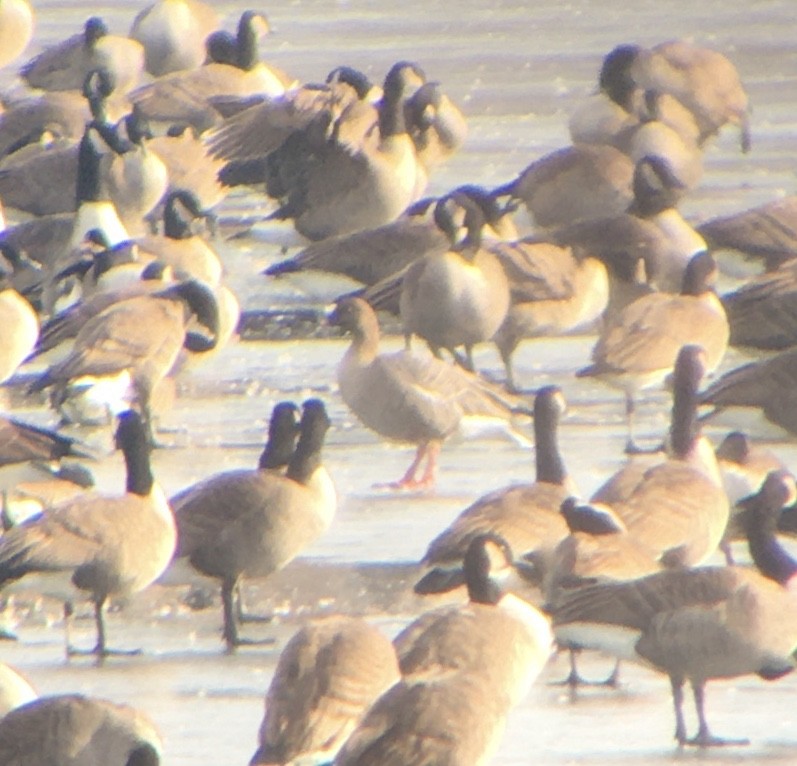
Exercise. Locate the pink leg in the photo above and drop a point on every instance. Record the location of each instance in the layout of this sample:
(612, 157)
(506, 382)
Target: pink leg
(408, 480)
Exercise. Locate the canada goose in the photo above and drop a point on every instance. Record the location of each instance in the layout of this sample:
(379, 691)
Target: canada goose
(651, 230)
(14, 690)
(761, 312)
(60, 115)
(106, 546)
(19, 323)
(135, 341)
(405, 396)
(553, 291)
(332, 187)
(253, 522)
(79, 730)
(173, 34)
(525, 515)
(456, 298)
(622, 104)
(639, 348)
(67, 323)
(327, 677)
(703, 80)
(379, 256)
(463, 668)
(184, 97)
(180, 247)
(580, 182)
(437, 126)
(766, 232)
(64, 66)
(16, 29)
(769, 384)
(246, 138)
(678, 509)
(699, 624)
(135, 178)
(744, 467)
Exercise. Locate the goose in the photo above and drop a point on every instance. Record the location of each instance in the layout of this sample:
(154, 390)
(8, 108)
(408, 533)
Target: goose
(378, 257)
(437, 126)
(14, 690)
(678, 510)
(135, 342)
(16, 29)
(80, 730)
(64, 66)
(343, 185)
(621, 105)
(639, 348)
(765, 232)
(576, 183)
(463, 669)
(553, 291)
(66, 324)
(705, 81)
(246, 138)
(180, 247)
(406, 396)
(456, 298)
(327, 676)
(253, 523)
(699, 624)
(19, 323)
(651, 230)
(769, 384)
(761, 312)
(173, 33)
(58, 117)
(525, 515)
(104, 545)
(136, 179)
(184, 97)
(744, 467)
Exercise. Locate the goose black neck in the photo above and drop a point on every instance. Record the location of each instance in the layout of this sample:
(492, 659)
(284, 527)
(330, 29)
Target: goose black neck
(392, 121)
(136, 450)
(89, 182)
(174, 225)
(684, 426)
(549, 463)
(484, 591)
(771, 558)
(282, 433)
(307, 457)
(246, 43)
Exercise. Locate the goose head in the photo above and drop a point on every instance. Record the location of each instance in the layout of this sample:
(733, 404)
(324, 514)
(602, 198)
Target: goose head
(181, 209)
(313, 430)
(355, 316)
(487, 561)
(616, 79)
(591, 518)
(700, 274)
(93, 30)
(656, 187)
(283, 431)
(200, 302)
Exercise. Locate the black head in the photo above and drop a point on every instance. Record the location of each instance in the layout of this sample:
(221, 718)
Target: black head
(283, 430)
(656, 186)
(615, 78)
(403, 76)
(98, 85)
(422, 106)
(202, 303)
(735, 448)
(591, 519)
(94, 29)
(700, 274)
(353, 77)
(488, 557)
(221, 47)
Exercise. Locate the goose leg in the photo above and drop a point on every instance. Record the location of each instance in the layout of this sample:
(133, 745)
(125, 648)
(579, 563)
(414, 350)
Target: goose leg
(100, 650)
(677, 685)
(574, 679)
(630, 410)
(240, 608)
(230, 631)
(704, 737)
(506, 348)
(408, 481)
